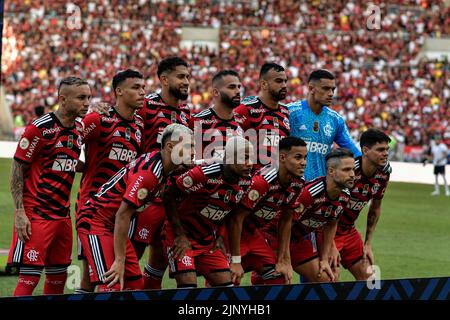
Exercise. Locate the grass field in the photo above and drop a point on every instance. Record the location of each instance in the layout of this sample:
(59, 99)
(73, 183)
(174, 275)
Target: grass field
(412, 237)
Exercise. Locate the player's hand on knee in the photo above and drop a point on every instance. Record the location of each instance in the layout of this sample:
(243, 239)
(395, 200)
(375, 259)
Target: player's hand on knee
(115, 274)
(100, 108)
(285, 268)
(180, 245)
(324, 268)
(237, 272)
(368, 254)
(22, 225)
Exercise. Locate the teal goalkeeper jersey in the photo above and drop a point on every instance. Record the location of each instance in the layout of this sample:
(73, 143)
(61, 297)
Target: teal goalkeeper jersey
(319, 132)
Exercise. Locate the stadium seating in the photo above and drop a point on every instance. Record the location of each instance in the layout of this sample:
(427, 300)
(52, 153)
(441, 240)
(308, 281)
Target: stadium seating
(380, 74)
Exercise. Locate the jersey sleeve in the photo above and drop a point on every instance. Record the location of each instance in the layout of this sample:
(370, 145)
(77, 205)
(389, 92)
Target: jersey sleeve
(192, 181)
(91, 130)
(257, 191)
(344, 140)
(140, 186)
(29, 145)
(242, 111)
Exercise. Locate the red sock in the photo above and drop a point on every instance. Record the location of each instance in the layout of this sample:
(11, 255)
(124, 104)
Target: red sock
(26, 284)
(152, 277)
(55, 283)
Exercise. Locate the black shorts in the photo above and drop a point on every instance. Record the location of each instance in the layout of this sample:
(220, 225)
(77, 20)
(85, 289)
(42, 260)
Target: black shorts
(439, 170)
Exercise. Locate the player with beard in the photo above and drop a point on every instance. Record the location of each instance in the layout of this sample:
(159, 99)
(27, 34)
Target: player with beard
(371, 182)
(214, 125)
(265, 114)
(42, 175)
(104, 220)
(194, 229)
(159, 111)
(316, 214)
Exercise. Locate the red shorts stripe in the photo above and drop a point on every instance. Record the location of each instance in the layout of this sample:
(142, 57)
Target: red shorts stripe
(99, 252)
(50, 245)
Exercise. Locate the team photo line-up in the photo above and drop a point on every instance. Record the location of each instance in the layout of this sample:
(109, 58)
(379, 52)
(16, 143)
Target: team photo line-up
(246, 185)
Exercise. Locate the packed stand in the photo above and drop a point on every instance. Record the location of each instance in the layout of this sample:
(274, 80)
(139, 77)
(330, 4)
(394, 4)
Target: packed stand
(380, 80)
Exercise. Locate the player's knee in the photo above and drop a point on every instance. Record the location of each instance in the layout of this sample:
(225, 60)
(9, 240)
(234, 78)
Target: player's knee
(186, 279)
(219, 279)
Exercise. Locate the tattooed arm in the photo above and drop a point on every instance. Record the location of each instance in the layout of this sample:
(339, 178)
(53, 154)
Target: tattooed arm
(21, 223)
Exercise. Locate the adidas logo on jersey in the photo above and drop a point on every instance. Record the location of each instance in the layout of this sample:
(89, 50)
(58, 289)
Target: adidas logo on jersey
(59, 145)
(303, 127)
(265, 121)
(215, 196)
(116, 134)
(161, 115)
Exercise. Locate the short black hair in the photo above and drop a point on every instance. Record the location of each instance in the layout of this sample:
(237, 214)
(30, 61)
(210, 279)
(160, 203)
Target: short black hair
(71, 81)
(222, 74)
(372, 136)
(170, 64)
(39, 111)
(338, 153)
(267, 66)
(121, 76)
(287, 143)
(316, 75)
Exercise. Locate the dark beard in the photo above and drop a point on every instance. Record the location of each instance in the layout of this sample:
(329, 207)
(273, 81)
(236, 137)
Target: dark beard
(229, 102)
(177, 93)
(277, 96)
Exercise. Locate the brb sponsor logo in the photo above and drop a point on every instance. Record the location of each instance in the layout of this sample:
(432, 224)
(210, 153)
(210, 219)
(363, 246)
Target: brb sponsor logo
(317, 147)
(122, 154)
(68, 165)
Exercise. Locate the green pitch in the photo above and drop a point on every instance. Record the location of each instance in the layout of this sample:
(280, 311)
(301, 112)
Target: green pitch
(411, 240)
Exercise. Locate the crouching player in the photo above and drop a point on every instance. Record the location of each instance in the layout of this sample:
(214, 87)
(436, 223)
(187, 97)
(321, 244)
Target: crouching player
(104, 220)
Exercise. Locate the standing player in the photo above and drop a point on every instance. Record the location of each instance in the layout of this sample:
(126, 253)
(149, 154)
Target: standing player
(265, 114)
(112, 140)
(42, 175)
(272, 191)
(313, 121)
(104, 220)
(214, 125)
(159, 111)
(439, 151)
(194, 230)
(317, 212)
(370, 184)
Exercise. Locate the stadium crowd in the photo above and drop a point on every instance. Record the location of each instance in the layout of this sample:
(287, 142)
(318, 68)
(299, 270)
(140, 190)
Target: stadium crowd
(380, 74)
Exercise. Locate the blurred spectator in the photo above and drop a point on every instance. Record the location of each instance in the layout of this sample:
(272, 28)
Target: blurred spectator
(381, 80)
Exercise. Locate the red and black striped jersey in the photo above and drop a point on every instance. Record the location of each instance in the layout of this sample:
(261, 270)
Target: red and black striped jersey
(365, 189)
(137, 184)
(314, 209)
(51, 152)
(110, 142)
(270, 126)
(267, 198)
(206, 199)
(157, 115)
(211, 132)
